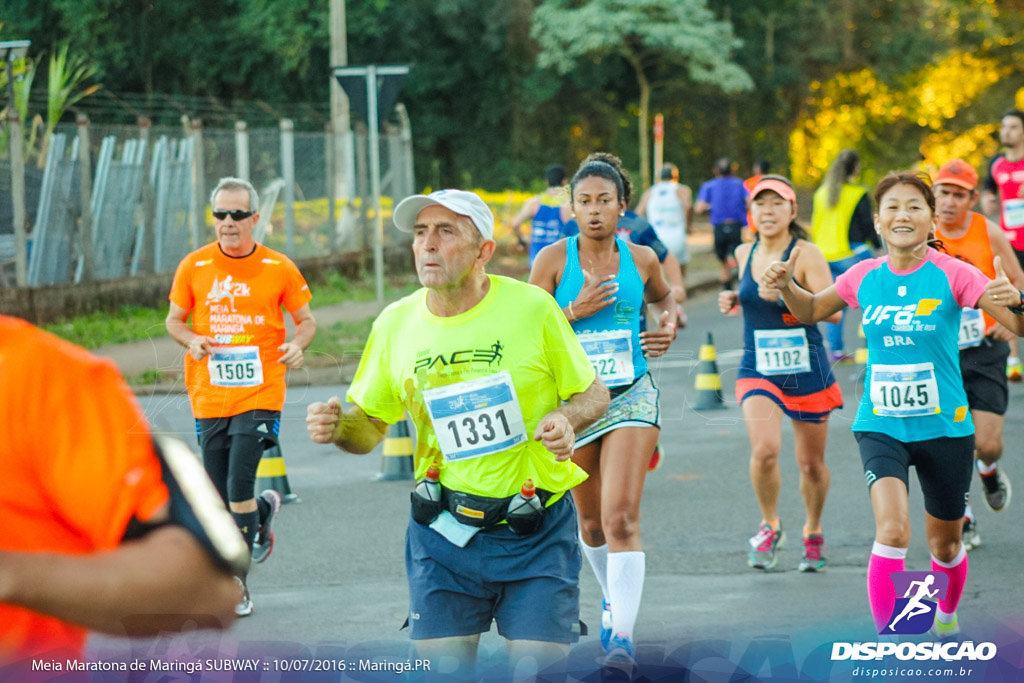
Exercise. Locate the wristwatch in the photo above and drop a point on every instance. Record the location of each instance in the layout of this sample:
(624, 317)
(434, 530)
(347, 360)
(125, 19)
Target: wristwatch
(1019, 308)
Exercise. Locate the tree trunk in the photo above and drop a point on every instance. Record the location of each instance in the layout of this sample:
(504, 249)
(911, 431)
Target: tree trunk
(847, 33)
(645, 115)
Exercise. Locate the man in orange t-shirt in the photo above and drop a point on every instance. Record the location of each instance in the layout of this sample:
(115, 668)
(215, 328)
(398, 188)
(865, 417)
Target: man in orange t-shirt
(237, 357)
(983, 342)
(94, 531)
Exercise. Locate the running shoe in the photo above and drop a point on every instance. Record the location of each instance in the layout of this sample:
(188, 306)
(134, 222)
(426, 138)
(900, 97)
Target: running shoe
(621, 654)
(681, 318)
(997, 490)
(606, 624)
(263, 544)
(655, 461)
(970, 537)
(940, 630)
(1014, 370)
(814, 555)
(244, 606)
(763, 546)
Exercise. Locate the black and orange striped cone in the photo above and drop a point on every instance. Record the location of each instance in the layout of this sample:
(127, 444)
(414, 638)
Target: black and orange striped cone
(396, 463)
(271, 474)
(708, 384)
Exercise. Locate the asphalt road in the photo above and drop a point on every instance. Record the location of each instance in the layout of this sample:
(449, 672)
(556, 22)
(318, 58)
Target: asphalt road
(335, 585)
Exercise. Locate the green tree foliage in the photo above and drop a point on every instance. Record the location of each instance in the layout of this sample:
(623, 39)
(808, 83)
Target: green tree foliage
(499, 89)
(674, 37)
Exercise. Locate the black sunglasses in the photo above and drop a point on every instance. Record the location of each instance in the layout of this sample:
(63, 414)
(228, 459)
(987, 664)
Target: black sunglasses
(235, 215)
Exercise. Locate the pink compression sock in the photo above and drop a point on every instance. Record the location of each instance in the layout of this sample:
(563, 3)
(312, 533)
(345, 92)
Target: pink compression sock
(957, 573)
(881, 595)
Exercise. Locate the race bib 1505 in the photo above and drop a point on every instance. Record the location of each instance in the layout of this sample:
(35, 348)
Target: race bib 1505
(235, 366)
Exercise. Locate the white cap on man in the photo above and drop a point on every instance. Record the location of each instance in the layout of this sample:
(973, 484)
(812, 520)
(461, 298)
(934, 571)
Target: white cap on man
(461, 202)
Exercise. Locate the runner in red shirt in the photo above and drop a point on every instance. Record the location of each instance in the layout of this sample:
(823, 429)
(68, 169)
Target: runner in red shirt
(1006, 179)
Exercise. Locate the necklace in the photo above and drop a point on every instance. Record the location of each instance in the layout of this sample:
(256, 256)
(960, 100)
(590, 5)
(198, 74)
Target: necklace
(596, 267)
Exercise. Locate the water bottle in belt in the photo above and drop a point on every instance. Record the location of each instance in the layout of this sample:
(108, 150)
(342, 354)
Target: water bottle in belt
(426, 497)
(525, 511)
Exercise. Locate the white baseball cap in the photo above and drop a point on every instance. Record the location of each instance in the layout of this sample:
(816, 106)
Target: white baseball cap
(461, 202)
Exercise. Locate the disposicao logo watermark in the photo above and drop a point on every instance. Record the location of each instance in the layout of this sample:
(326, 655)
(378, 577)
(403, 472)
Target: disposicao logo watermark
(917, 597)
(914, 613)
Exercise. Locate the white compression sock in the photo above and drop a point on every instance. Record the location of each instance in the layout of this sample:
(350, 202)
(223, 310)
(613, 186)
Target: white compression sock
(598, 559)
(626, 585)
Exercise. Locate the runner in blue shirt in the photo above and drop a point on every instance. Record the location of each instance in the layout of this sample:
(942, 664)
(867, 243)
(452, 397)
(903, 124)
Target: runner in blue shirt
(547, 213)
(726, 199)
(914, 409)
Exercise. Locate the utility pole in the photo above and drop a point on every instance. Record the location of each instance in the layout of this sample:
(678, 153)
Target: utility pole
(341, 126)
(376, 88)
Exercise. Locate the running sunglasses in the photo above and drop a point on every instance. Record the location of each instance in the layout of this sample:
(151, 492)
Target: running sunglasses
(235, 215)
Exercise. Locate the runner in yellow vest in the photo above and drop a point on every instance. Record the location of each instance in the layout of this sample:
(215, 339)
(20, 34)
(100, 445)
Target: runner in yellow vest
(842, 226)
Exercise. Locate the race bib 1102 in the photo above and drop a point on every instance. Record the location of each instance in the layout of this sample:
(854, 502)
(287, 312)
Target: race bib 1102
(781, 352)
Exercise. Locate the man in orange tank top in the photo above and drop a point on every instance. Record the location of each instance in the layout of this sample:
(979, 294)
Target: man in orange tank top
(983, 342)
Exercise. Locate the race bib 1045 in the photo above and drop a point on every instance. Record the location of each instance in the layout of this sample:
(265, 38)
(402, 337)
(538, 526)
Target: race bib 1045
(904, 390)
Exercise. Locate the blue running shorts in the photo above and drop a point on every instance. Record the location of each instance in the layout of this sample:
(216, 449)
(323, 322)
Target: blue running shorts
(529, 585)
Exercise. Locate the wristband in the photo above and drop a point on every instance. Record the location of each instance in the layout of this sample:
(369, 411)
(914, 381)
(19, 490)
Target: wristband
(675, 330)
(572, 313)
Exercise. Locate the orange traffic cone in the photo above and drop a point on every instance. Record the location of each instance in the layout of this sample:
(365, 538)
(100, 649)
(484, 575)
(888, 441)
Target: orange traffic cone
(271, 474)
(396, 463)
(708, 384)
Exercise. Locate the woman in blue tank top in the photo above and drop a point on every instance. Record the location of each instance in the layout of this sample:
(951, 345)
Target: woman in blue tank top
(784, 370)
(602, 284)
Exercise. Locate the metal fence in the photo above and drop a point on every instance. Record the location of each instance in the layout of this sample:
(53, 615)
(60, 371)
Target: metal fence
(170, 176)
(51, 249)
(148, 204)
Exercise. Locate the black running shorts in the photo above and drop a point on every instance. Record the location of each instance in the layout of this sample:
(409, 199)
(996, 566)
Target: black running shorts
(944, 468)
(216, 432)
(728, 236)
(984, 370)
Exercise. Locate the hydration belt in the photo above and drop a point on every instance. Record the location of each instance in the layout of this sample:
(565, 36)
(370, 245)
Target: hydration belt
(470, 509)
